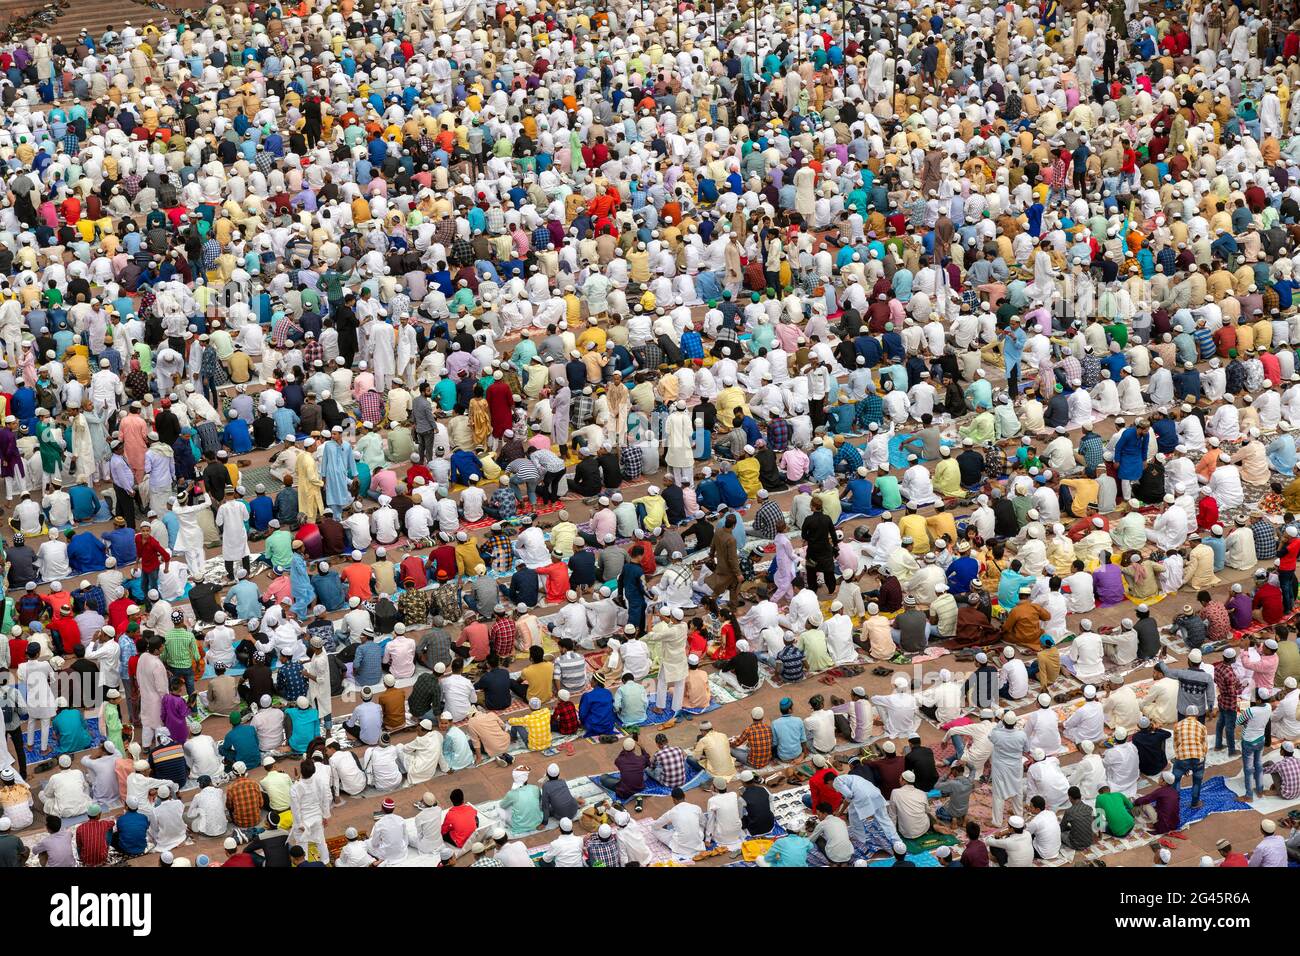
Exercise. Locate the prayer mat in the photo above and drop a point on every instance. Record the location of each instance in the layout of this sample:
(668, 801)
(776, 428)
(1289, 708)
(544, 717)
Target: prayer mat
(1063, 711)
(585, 790)
(918, 859)
(1266, 805)
(751, 850)
(1102, 847)
(1216, 797)
(696, 776)
(652, 719)
(543, 508)
(34, 756)
(929, 841)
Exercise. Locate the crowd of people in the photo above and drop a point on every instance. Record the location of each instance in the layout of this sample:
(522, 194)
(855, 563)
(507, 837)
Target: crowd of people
(393, 391)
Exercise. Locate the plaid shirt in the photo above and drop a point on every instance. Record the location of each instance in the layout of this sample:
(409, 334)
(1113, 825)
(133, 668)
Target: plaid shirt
(1265, 539)
(872, 410)
(503, 635)
(598, 852)
(312, 352)
(538, 723)
(371, 404)
(582, 410)
(461, 253)
(767, 519)
(632, 461)
(541, 238)
(1288, 771)
(1070, 367)
(652, 356)
(1227, 686)
(264, 161)
(130, 185)
(565, 718)
(668, 766)
(1189, 739)
(849, 455)
(93, 596)
(692, 345)
(211, 252)
(1093, 450)
(498, 551)
(244, 801)
(778, 435)
(486, 861)
(281, 331)
(758, 735)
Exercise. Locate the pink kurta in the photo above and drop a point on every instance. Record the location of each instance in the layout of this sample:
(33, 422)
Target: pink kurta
(151, 674)
(135, 442)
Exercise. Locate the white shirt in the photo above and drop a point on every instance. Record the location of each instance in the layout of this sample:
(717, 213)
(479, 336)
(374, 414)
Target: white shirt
(1045, 830)
(1016, 678)
(821, 730)
(387, 841)
(458, 695)
(207, 813)
(687, 835)
(1121, 763)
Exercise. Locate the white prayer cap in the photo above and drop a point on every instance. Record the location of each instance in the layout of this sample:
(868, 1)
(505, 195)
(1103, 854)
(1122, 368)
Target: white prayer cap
(1017, 822)
(1089, 692)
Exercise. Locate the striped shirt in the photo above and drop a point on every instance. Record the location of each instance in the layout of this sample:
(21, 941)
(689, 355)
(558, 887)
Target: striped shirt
(523, 470)
(571, 667)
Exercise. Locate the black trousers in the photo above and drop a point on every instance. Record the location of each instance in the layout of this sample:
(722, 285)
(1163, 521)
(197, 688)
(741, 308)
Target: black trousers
(124, 505)
(20, 750)
(817, 411)
(549, 489)
(823, 566)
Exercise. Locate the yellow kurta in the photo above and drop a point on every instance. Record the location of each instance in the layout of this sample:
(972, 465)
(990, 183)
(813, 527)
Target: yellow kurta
(307, 476)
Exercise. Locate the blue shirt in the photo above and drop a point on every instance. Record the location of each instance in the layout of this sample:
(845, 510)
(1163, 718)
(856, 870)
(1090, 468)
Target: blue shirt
(596, 711)
(246, 598)
(121, 544)
(85, 503)
(789, 735)
(133, 831)
(367, 665)
(790, 850)
(240, 744)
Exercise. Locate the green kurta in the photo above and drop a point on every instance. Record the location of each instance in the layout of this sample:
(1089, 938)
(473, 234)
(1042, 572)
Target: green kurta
(112, 728)
(525, 806)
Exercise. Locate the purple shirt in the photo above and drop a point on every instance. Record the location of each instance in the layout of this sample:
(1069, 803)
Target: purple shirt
(1270, 851)
(1167, 808)
(1108, 585)
(1240, 610)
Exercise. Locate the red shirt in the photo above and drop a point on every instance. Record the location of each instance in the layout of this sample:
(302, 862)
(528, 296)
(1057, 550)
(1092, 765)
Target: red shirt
(459, 824)
(476, 635)
(92, 842)
(240, 859)
(412, 570)
(1287, 558)
(151, 553)
(57, 601)
(822, 790)
(117, 616)
(69, 634)
(1268, 601)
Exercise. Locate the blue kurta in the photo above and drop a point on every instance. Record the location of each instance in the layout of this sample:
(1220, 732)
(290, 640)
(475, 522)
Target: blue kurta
(304, 595)
(337, 469)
